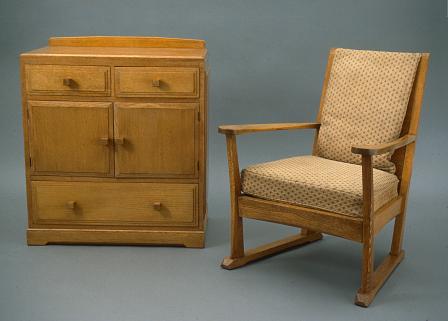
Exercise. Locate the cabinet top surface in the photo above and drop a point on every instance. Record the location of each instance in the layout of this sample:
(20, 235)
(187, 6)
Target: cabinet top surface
(167, 53)
(132, 47)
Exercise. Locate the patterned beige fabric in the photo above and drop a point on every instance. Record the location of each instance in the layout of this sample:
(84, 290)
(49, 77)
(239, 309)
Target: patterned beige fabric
(365, 102)
(317, 182)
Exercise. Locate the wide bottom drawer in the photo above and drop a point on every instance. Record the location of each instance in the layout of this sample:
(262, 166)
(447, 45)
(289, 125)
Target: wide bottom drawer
(110, 203)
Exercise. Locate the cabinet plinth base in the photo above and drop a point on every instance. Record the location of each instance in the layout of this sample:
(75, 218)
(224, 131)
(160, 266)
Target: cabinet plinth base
(43, 236)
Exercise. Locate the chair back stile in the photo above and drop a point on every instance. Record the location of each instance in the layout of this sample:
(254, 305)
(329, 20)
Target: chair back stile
(322, 96)
(403, 158)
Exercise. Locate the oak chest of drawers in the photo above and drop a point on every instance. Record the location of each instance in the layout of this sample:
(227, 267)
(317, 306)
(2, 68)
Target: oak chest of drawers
(115, 140)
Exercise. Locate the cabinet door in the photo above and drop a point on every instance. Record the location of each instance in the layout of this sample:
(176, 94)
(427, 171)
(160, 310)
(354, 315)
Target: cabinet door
(71, 138)
(156, 140)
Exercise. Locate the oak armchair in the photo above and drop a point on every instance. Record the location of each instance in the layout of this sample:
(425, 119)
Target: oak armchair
(358, 176)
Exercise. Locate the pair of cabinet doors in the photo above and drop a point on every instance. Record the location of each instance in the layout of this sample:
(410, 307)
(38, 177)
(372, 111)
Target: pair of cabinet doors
(113, 139)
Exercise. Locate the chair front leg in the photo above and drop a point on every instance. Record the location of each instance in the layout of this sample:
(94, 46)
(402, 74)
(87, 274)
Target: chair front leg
(368, 233)
(372, 280)
(238, 256)
(236, 227)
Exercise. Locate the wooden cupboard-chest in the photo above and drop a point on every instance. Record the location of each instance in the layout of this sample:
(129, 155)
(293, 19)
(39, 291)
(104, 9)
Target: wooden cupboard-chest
(115, 133)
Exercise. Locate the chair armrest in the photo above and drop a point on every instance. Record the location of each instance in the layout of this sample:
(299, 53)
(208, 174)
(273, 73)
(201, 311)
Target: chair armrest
(252, 128)
(383, 148)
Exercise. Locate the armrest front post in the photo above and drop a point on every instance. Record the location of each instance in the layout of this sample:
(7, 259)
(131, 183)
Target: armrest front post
(368, 240)
(236, 228)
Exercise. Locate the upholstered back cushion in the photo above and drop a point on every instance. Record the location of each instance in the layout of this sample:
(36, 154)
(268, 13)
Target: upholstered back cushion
(365, 103)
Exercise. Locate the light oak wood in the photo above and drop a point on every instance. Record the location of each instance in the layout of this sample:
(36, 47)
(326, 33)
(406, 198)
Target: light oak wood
(386, 213)
(253, 128)
(121, 41)
(44, 236)
(404, 158)
(156, 82)
(236, 221)
(118, 56)
(313, 221)
(335, 224)
(345, 226)
(68, 80)
(270, 249)
(59, 147)
(383, 148)
(132, 163)
(101, 203)
(368, 224)
(69, 205)
(379, 277)
(156, 139)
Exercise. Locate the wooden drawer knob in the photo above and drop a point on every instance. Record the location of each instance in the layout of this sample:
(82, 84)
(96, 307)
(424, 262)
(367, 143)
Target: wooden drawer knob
(70, 205)
(68, 82)
(104, 141)
(156, 82)
(157, 206)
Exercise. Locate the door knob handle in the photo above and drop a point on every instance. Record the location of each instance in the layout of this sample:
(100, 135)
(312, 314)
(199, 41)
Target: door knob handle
(68, 82)
(104, 141)
(156, 82)
(157, 206)
(70, 205)
(119, 141)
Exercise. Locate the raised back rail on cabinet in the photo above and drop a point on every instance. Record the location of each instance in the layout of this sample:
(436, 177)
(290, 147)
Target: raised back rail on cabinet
(112, 41)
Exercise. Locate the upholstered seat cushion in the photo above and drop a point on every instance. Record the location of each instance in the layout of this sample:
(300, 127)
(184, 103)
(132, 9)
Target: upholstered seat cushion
(365, 103)
(317, 182)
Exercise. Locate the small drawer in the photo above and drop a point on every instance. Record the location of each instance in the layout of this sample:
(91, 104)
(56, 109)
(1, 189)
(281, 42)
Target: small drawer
(67, 80)
(156, 82)
(114, 203)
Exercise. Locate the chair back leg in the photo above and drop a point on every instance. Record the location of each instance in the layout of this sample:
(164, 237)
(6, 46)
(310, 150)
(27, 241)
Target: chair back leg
(397, 238)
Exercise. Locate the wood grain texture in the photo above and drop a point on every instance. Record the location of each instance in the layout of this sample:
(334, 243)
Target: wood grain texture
(87, 55)
(100, 203)
(70, 83)
(404, 160)
(59, 147)
(253, 128)
(379, 277)
(156, 139)
(44, 236)
(68, 80)
(345, 226)
(203, 145)
(123, 41)
(156, 82)
(368, 224)
(236, 221)
(270, 249)
(383, 148)
(386, 213)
